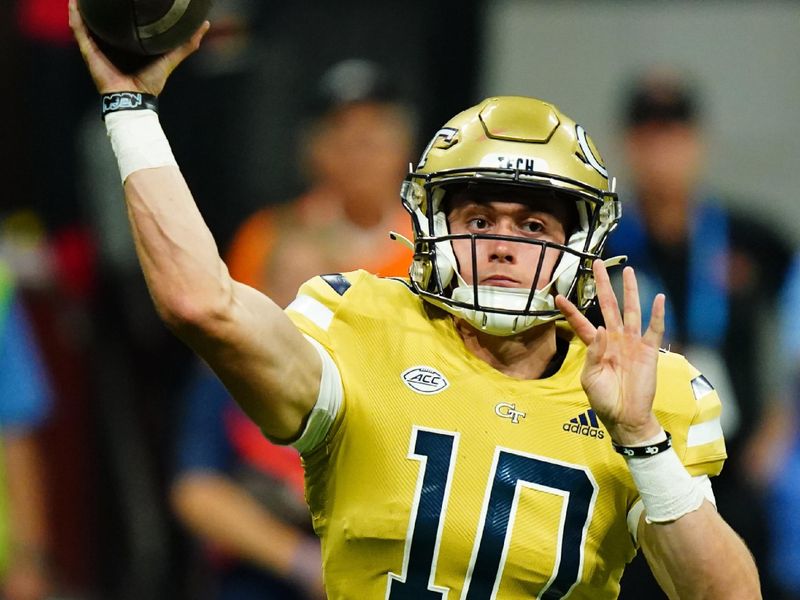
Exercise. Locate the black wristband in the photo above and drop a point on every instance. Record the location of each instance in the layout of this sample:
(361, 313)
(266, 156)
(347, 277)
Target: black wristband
(644, 451)
(118, 101)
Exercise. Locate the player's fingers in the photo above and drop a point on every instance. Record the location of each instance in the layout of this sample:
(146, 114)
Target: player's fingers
(103, 72)
(74, 17)
(86, 43)
(577, 320)
(655, 329)
(201, 32)
(597, 349)
(78, 27)
(632, 311)
(606, 297)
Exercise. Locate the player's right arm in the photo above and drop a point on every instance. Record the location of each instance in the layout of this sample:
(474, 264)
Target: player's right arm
(264, 361)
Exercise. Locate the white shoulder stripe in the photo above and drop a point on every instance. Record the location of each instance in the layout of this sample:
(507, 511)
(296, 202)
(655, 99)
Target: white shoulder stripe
(704, 433)
(313, 310)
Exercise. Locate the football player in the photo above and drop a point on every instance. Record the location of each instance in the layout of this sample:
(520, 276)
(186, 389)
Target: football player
(468, 431)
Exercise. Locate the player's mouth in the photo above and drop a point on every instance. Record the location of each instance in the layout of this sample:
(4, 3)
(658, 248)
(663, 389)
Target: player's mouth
(500, 281)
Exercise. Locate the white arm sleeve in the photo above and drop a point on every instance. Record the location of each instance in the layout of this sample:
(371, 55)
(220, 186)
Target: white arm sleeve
(329, 401)
(702, 481)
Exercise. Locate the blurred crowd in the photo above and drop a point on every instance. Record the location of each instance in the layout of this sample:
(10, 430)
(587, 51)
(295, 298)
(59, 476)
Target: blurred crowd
(126, 471)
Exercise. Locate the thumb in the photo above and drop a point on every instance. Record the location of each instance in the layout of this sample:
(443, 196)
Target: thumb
(176, 56)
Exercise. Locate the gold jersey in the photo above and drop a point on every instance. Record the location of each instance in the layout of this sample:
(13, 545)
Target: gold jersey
(441, 477)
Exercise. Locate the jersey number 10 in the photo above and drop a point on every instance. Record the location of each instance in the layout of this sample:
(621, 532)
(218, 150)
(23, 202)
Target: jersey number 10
(512, 470)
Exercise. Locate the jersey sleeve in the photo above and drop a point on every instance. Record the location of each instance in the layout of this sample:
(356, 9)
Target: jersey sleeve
(687, 405)
(319, 302)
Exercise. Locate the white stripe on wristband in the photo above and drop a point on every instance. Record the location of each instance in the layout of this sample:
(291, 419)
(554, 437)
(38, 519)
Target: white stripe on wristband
(138, 141)
(667, 490)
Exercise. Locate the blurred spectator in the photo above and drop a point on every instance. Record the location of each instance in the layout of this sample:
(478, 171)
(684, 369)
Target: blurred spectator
(354, 150)
(235, 489)
(25, 401)
(56, 323)
(721, 270)
(781, 471)
(50, 249)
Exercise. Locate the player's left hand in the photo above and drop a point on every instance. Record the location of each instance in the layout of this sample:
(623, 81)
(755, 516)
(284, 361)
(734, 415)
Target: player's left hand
(619, 375)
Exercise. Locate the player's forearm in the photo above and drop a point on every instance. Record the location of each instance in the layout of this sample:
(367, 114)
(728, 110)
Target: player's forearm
(699, 557)
(187, 279)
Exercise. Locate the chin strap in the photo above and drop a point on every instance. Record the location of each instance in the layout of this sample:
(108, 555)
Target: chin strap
(401, 239)
(614, 261)
(608, 262)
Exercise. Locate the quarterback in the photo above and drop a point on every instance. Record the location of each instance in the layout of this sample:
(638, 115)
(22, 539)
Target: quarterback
(466, 432)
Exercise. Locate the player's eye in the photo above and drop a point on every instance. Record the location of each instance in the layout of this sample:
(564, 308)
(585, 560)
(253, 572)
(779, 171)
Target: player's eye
(478, 223)
(532, 227)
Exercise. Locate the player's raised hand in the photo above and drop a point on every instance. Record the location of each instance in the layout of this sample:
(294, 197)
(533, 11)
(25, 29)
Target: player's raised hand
(108, 78)
(619, 375)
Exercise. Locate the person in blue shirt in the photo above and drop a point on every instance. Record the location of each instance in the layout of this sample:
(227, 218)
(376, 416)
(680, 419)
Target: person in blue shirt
(722, 270)
(782, 476)
(25, 400)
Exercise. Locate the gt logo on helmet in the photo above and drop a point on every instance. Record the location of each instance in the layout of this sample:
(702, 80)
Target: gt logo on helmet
(446, 134)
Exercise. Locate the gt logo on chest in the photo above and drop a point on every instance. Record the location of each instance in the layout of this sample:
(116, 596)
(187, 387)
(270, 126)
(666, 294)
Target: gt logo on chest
(424, 380)
(507, 410)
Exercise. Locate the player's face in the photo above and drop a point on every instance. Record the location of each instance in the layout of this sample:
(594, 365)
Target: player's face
(503, 263)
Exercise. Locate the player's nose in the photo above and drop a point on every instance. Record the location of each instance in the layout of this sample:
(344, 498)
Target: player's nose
(502, 250)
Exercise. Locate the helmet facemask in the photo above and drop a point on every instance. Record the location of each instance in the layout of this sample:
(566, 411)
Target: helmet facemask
(438, 277)
(518, 146)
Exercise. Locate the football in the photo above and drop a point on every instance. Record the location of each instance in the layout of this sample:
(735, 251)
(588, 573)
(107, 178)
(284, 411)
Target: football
(143, 28)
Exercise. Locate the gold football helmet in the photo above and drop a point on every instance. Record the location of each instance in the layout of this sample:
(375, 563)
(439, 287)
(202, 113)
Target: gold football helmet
(523, 143)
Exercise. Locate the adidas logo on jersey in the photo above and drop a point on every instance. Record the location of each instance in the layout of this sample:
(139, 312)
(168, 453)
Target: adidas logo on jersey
(585, 424)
